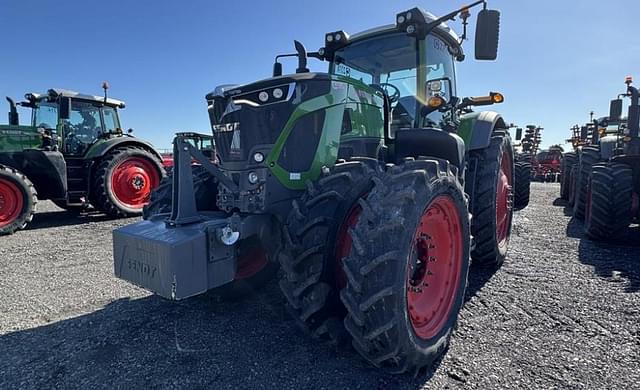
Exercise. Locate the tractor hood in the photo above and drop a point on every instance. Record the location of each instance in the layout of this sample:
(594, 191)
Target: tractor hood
(250, 118)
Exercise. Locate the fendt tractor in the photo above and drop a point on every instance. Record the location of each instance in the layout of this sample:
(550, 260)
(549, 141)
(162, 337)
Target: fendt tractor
(359, 182)
(75, 153)
(613, 186)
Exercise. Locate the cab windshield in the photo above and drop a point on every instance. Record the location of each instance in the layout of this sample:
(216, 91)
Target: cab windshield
(392, 62)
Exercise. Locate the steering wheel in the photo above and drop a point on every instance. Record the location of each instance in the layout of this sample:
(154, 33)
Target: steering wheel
(383, 87)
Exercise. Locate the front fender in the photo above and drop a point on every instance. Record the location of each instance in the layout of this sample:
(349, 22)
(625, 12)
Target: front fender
(476, 128)
(103, 147)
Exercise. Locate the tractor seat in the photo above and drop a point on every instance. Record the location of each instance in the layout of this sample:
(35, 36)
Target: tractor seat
(429, 142)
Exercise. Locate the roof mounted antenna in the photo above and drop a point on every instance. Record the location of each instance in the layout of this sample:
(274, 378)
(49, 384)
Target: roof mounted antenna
(105, 86)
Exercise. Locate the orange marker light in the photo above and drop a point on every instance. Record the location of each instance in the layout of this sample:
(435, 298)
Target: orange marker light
(497, 97)
(435, 101)
(628, 80)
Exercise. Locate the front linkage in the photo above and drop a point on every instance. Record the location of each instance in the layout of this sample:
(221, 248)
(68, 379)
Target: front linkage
(188, 233)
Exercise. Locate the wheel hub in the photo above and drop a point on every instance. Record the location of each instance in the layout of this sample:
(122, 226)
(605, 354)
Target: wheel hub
(138, 182)
(133, 180)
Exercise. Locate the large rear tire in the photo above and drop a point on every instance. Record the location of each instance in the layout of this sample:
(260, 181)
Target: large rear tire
(522, 191)
(568, 161)
(316, 239)
(408, 265)
(608, 201)
(18, 199)
(124, 179)
(492, 203)
(587, 157)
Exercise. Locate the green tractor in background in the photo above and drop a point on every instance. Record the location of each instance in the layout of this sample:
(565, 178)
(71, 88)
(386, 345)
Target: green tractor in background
(359, 182)
(74, 153)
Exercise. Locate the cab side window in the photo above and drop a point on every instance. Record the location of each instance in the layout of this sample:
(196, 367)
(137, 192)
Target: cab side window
(110, 119)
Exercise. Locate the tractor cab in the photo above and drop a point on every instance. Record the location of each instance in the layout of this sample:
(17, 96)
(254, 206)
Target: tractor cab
(74, 121)
(409, 69)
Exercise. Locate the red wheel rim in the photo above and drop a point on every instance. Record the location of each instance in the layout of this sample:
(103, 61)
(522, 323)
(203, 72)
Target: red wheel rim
(251, 260)
(343, 244)
(11, 202)
(503, 200)
(133, 180)
(435, 267)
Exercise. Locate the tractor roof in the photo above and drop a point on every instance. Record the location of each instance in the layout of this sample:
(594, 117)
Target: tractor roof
(193, 134)
(57, 92)
(443, 30)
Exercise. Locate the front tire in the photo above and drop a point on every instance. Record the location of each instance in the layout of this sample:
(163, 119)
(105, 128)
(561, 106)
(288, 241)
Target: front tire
(608, 201)
(492, 206)
(124, 179)
(18, 199)
(408, 265)
(568, 161)
(522, 191)
(588, 156)
(317, 238)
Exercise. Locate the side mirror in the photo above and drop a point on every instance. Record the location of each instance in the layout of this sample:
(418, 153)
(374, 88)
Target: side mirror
(487, 34)
(615, 110)
(65, 108)
(518, 133)
(277, 69)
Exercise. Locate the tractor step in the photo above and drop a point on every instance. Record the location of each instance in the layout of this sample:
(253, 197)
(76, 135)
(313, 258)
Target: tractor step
(175, 262)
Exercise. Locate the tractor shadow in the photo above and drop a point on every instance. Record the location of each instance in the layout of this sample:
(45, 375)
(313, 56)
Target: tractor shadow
(52, 219)
(478, 277)
(197, 343)
(618, 262)
(566, 208)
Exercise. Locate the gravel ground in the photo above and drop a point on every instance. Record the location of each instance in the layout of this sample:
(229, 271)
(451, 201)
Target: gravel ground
(562, 313)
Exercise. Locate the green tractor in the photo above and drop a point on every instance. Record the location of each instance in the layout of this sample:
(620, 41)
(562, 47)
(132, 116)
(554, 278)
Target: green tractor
(75, 154)
(612, 199)
(359, 182)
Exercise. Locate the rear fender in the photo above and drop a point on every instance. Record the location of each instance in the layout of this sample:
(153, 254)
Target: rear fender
(103, 147)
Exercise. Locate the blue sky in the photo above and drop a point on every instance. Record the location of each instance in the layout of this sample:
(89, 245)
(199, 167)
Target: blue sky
(557, 60)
